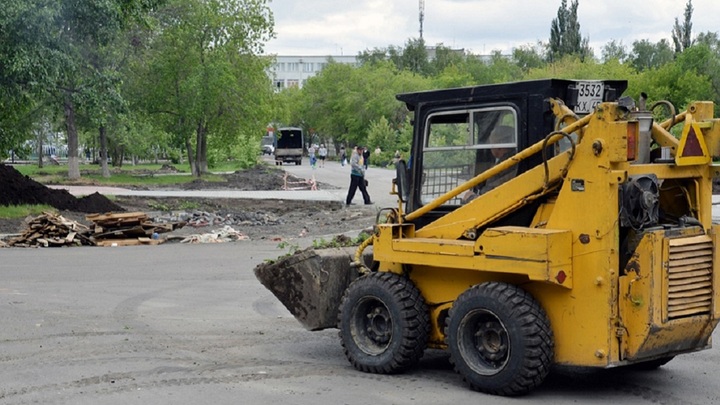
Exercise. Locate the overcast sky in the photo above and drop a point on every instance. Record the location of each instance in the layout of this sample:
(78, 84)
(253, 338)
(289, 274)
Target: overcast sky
(342, 27)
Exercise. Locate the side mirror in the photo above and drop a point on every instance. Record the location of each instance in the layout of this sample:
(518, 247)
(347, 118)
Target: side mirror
(401, 180)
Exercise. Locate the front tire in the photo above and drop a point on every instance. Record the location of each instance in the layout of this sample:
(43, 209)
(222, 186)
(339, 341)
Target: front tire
(499, 339)
(384, 323)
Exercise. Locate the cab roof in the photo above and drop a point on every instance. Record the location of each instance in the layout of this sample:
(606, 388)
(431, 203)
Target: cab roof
(546, 88)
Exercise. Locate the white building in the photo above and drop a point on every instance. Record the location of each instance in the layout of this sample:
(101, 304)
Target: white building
(293, 71)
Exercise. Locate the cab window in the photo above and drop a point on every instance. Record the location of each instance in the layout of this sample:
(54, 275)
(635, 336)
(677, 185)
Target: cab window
(457, 147)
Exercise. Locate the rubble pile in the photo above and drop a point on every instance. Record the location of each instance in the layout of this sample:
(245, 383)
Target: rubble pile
(111, 229)
(129, 228)
(199, 219)
(52, 230)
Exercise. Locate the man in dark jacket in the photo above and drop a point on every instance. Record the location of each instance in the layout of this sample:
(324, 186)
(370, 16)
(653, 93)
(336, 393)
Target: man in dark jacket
(357, 177)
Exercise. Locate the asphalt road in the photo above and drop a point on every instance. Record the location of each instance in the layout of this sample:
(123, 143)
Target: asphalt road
(335, 174)
(334, 177)
(189, 324)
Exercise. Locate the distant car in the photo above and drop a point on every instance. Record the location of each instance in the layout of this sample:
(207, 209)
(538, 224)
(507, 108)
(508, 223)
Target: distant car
(268, 149)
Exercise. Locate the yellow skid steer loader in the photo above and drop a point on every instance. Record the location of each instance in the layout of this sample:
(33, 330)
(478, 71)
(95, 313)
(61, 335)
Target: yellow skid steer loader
(539, 223)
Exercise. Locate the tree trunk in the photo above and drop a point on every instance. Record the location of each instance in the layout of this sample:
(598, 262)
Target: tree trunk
(40, 148)
(72, 140)
(201, 158)
(104, 153)
(191, 159)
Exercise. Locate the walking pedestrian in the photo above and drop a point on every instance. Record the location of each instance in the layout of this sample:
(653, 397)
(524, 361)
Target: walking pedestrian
(343, 156)
(311, 155)
(322, 154)
(366, 157)
(357, 177)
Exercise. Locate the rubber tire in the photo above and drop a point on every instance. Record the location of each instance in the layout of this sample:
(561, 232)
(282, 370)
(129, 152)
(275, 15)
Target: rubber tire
(395, 307)
(518, 351)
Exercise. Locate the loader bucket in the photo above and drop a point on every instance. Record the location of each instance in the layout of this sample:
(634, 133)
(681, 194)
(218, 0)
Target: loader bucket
(311, 283)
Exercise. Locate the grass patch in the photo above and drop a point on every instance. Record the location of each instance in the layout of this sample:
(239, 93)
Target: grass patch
(61, 170)
(48, 170)
(159, 206)
(138, 175)
(129, 178)
(22, 211)
(189, 205)
(165, 206)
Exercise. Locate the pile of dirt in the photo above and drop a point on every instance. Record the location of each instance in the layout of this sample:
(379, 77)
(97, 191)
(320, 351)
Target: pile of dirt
(260, 177)
(258, 219)
(16, 189)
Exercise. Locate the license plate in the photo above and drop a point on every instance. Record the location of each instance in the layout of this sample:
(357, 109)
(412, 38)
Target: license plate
(590, 94)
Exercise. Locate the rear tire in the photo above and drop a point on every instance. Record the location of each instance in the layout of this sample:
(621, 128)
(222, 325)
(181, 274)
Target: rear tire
(499, 339)
(384, 323)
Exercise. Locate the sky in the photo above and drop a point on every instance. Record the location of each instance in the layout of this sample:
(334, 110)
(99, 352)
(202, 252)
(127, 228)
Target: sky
(343, 27)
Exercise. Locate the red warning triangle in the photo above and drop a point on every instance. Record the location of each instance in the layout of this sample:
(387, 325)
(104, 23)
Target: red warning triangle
(692, 149)
(692, 145)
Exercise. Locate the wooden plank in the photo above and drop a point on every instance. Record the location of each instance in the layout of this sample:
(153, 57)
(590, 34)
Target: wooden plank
(128, 242)
(118, 242)
(115, 216)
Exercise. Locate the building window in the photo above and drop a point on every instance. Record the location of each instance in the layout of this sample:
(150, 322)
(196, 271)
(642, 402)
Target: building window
(279, 84)
(293, 83)
(307, 67)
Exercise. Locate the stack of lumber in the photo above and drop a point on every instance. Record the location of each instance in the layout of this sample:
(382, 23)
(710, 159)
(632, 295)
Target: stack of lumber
(127, 228)
(48, 230)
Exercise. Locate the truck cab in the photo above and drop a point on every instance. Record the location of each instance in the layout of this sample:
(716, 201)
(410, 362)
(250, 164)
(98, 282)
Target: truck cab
(289, 145)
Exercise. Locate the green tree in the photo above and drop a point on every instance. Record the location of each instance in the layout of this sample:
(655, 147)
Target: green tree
(682, 33)
(415, 57)
(444, 58)
(382, 135)
(205, 81)
(50, 49)
(614, 50)
(498, 69)
(565, 37)
(528, 57)
(571, 67)
(710, 39)
(342, 101)
(373, 56)
(452, 76)
(645, 55)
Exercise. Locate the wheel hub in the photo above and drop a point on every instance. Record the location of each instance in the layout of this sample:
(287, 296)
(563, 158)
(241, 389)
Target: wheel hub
(484, 339)
(379, 325)
(491, 342)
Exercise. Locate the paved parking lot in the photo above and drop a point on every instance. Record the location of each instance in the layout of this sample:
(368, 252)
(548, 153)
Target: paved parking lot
(190, 324)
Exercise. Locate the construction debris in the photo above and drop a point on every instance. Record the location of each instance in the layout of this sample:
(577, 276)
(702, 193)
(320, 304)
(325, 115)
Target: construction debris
(52, 230)
(128, 228)
(111, 229)
(226, 234)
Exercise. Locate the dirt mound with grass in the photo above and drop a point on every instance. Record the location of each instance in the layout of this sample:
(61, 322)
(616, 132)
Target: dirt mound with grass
(16, 189)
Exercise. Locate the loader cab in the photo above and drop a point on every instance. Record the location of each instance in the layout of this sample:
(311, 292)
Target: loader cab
(459, 133)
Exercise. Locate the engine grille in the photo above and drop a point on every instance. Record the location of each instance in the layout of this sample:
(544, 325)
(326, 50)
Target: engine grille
(689, 277)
